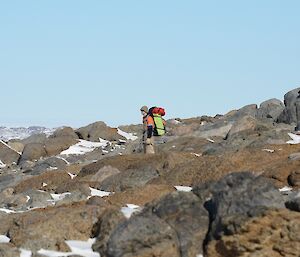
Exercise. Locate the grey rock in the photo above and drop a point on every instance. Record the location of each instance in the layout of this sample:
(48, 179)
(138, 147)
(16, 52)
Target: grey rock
(98, 130)
(294, 178)
(130, 178)
(32, 151)
(236, 198)
(143, 236)
(270, 109)
(104, 173)
(294, 202)
(294, 156)
(36, 138)
(38, 199)
(8, 155)
(289, 114)
(218, 129)
(185, 213)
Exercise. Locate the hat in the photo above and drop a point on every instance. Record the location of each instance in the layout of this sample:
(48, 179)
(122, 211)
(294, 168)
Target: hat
(144, 108)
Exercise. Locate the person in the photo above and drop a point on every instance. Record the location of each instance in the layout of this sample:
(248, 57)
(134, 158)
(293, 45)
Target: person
(297, 105)
(148, 127)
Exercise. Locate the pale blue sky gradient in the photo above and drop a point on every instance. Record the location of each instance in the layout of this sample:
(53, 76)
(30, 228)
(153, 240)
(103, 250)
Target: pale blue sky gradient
(75, 62)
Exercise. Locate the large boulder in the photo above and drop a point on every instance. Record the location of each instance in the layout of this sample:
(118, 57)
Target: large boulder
(32, 151)
(238, 197)
(289, 114)
(98, 130)
(143, 236)
(275, 233)
(49, 228)
(270, 109)
(186, 214)
(7, 154)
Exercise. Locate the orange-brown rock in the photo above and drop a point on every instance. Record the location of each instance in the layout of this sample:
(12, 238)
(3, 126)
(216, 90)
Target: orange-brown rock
(275, 234)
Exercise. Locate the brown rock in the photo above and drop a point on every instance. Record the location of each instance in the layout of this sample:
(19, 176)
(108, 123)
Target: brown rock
(7, 154)
(49, 228)
(275, 234)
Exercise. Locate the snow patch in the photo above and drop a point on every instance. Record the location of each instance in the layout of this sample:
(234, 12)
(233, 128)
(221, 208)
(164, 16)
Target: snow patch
(4, 239)
(96, 192)
(8, 211)
(83, 147)
(128, 136)
(2, 165)
(82, 248)
(286, 189)
(25, 253)
(72, 175)
(295, 139)
(58, 197)
(196, 154)
(129, 209)
(268, 150)
(59, 157)
(183, 188)
(210, 140)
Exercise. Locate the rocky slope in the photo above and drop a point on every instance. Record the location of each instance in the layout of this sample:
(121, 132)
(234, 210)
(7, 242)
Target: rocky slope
(218, 186)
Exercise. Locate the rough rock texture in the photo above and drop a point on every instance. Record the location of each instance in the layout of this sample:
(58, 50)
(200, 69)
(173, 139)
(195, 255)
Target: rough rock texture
(50, 227)
(270, 109)
(7, 154)
(143, 236)
(186, 214)
(275, 233)
(33, 151)
(289, 114)
(236, 198)
(98, 130)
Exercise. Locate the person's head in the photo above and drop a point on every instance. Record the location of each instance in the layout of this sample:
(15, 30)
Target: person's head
(144, 110)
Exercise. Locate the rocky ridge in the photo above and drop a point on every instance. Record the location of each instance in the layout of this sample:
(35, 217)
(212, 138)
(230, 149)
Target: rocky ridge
(218, 186)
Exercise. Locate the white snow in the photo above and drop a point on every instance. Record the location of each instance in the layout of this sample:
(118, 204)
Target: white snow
(2, 165)
(268, 150)
(285, 189)
(210, 140)
(82, 248)
(96, 192)
(59, 157)
(129, 209)
(44, 184)
(196, 154)
(72, 175)
(28, 198)
(128, 136)
(199, 255)
(58, 197)
(25, 253)
(4, 239)
(83, 147)
(183, 188)
(295, 139)
(6, 210)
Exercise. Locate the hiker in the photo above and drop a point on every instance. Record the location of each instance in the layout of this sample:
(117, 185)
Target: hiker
(297, 104)
(153, 126)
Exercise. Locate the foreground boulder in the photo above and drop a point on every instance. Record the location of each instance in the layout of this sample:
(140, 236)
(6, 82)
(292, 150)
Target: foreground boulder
(238, 197)
(275, 233)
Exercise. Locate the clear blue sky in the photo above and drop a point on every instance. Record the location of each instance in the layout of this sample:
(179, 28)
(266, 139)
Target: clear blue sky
(76, 62)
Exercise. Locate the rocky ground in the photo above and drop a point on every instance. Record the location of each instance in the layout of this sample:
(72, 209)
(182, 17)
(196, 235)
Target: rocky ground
(218, 186)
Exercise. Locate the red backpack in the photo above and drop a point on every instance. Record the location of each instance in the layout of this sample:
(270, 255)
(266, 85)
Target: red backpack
(158, 110)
